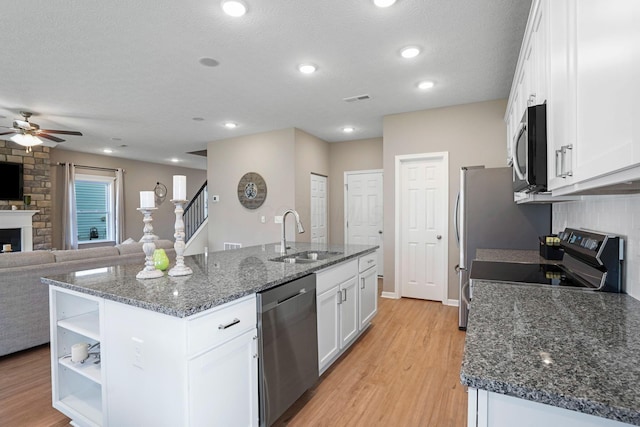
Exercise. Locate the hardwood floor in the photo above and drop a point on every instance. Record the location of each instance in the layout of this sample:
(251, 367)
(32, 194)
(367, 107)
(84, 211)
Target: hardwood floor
(25, 390)
(403, 371)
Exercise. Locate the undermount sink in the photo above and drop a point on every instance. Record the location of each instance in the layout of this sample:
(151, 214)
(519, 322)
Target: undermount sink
(306, 257)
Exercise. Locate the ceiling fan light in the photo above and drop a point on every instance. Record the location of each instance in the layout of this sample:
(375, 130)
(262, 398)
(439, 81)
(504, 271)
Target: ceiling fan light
(26, 140)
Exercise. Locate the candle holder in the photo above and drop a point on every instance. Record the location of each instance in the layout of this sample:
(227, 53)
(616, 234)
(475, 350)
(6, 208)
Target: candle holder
(149, 271)
(180, 269)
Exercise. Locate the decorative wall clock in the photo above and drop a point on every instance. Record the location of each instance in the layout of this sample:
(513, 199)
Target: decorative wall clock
(252, 190)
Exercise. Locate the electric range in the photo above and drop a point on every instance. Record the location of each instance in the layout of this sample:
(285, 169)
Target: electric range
(592, 261)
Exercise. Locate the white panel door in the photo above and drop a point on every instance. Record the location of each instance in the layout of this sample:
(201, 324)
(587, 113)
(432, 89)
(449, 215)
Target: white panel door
(363, 211)
(318, 209)
(422, 227)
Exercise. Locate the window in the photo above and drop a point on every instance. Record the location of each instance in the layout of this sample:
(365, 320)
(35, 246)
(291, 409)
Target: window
(95, 205)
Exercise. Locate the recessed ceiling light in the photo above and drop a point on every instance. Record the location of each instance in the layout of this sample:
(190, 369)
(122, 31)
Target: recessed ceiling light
(234, 8)
(410, 52)
(425, 85)
(107, 150)
(231, 125)
(348, 129)
(384, 3)
(307, 68)
(208, 62)
(174, 160)
(197, 119)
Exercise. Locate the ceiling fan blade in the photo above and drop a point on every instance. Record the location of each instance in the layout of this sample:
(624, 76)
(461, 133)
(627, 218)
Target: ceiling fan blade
(62, 132)
(51, 138)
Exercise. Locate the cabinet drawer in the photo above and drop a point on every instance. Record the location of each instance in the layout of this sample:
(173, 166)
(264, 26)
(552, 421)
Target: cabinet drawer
(367, 261)
(330, 277)
(221, 324)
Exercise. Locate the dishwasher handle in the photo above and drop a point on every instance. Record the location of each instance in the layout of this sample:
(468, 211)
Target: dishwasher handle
(300, 292)
(274, 304)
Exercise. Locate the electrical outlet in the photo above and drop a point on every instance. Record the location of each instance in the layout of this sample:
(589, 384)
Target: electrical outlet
(138, 352)
(278, 219)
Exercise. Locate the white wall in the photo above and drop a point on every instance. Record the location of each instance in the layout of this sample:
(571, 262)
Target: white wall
(612, 214)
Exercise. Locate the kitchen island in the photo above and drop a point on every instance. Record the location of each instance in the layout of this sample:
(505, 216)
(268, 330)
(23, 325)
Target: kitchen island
(172, 350)
(558, 357)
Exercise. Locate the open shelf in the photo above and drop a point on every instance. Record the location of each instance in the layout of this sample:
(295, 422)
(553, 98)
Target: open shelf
(87, 324)
(88, 369)
(88, 403)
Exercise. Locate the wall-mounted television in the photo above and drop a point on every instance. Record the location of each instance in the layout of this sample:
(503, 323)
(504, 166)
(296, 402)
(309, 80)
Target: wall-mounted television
(11, 181)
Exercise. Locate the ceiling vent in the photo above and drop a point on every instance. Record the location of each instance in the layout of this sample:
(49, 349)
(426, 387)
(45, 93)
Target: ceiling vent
(357, 98)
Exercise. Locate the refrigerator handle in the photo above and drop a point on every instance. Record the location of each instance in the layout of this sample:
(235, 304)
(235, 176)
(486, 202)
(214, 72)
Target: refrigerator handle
(456, 219)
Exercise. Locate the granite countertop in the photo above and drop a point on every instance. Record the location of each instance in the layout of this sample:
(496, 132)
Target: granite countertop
(217, 278)
(566, 348)
(513, 255)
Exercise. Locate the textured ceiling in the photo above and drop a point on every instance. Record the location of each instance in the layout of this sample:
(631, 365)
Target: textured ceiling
(130, 69)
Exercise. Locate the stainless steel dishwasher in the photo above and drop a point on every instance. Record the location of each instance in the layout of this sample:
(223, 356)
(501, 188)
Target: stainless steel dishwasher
(288, 355)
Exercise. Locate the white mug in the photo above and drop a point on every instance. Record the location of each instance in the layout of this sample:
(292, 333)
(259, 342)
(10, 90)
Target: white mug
(79, 352)
(14, 208)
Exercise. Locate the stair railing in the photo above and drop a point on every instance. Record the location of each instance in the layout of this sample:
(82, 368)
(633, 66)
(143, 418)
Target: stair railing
(196, 212)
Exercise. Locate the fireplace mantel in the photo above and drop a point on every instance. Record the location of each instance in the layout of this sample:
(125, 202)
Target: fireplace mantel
(21, 219)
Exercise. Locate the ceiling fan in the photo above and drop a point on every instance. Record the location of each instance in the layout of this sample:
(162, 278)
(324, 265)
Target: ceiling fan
(28, 134)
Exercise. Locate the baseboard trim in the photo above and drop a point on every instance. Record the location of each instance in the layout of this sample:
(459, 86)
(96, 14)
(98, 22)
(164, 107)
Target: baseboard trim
(390, 295)
(451, 302)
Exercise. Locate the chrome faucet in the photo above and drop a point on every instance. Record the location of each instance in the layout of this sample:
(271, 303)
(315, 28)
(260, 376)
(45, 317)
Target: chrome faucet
(283, 242)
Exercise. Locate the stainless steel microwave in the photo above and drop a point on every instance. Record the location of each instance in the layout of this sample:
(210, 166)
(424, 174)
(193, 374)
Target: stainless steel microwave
(530, 151)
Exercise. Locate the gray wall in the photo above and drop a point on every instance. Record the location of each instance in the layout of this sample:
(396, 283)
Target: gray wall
(312, 156)
(472, 134)
(363, 154)
(270, 154)
(139, 176)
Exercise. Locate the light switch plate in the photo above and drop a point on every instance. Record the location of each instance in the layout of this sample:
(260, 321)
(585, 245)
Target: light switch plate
(215, 198)
(278, 219)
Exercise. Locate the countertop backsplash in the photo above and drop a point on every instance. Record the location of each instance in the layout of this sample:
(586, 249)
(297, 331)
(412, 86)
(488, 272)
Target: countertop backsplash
(612, 214)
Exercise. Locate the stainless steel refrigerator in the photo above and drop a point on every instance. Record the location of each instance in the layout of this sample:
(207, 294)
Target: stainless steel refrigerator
(488, 218)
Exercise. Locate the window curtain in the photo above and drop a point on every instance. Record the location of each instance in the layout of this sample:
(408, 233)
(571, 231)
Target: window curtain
(70, 223)
(119, 208)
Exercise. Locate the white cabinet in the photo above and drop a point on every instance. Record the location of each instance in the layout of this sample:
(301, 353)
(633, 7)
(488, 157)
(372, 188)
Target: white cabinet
(368, 290)
(594, 58)
(234, 401)
(530, 85)
(196, 371)
(346, 298)
(154, 369)
(77, 388)
(337, 310)
(488, 409)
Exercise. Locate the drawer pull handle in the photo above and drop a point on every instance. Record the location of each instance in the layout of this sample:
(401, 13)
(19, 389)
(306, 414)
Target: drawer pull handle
(230, 324)
(370, 261)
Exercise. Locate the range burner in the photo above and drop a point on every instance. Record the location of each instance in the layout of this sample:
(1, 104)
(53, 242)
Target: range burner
(540, 274)
(592, 261)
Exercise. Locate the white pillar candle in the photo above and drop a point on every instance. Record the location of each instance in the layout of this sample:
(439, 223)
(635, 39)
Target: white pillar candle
(147, 199)
(179, 187)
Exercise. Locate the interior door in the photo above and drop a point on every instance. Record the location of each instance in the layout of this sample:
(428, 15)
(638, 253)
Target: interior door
(423, 227)
(318, 208)
(363, 211)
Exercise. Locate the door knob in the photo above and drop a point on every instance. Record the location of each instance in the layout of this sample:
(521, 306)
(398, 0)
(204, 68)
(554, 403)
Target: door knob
(379, 231)
(438, 237)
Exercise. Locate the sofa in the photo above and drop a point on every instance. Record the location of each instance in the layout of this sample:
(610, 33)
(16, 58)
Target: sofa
(24, 299)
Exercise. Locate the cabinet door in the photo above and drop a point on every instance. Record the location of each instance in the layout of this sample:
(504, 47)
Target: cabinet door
(605, 77)
(223, 384)
(328, 324)
(368, 292)
(348, 311)
(561, 102)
